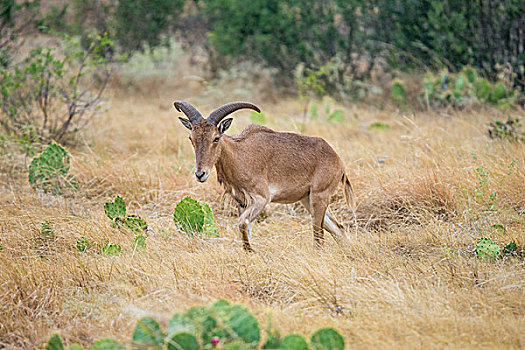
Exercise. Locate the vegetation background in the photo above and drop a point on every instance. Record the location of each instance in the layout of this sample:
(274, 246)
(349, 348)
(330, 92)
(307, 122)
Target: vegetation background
(423, 101)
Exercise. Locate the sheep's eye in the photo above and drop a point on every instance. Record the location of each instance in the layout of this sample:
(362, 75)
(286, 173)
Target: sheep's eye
(216, 139)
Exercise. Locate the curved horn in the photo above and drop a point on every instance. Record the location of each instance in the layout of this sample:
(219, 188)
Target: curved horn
(191, 112)
(217, 115)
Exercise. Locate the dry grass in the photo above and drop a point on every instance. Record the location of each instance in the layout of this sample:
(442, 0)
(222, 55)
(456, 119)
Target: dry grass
(410, 279)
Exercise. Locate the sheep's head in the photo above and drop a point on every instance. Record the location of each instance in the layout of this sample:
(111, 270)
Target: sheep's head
(206, 133)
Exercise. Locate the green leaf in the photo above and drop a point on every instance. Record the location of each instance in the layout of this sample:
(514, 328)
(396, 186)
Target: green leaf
(147, 335)
(55, 343)
(379, 126)
(487, 249)
(107, 344)
(327, 339)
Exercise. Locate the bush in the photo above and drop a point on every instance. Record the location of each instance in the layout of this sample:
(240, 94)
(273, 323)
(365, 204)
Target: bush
(54, 95)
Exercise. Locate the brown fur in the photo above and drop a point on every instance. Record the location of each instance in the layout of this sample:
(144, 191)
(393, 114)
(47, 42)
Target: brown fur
(261, 166)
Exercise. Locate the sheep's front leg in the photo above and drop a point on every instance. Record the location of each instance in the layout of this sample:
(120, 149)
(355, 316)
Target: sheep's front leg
(250, 213)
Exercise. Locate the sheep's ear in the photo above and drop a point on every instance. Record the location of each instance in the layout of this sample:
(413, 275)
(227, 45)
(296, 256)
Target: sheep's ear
(225, 125)
(185, 122)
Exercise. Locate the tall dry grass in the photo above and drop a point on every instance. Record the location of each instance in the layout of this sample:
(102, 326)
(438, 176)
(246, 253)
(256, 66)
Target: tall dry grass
(410, 279)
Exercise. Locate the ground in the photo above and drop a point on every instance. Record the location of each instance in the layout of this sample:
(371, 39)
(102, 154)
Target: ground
(409, 278)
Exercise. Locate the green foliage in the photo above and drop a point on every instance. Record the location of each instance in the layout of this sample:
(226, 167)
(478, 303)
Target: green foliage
(506, 130)
(509, 248)
(483, 89)
(379, 126)
(76, 347)
(327, 339)
(336, 116)
(294, 342)
(221, 325)
(55, 94)
(55, 343)
(111, 249)
(194, 218)
(147, 335)
(116, 212)
(47, 231)
(398, 93)
(49, 171)
(140, 241)
(107, 344)
(82, 245)
(487, 249)
(182, 340)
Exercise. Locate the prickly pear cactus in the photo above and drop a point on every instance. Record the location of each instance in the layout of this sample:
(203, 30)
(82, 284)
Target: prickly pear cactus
(398, 92)
(194, 218)
(47, 230)
(241, 323)
(487, 249)
(510, 248)
(82, 245)
(116, 210)
(49, 170)
(107, 344)
(55, 343)
(147, 335)
(294, 342)
(140, 241)
(111, 249)
(135, 223)
(327, 339)
(75, 347)
(182, 340)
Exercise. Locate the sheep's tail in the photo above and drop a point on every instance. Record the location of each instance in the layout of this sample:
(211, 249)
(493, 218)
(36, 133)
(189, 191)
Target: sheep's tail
(350, 198)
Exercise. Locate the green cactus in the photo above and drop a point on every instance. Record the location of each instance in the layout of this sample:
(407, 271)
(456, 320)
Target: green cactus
(237, 345)
(49, 171)
(487, 249)
(82, 244)
(179, 323)
(107, 344)
(509, 248)
(327, 339)
(398, 92)
(111, 249)
(75, 347)
(140, 241)
(203, 323)
(147, 335)
(47, 231)
(294, 342)
(472, 77)
(116, 210)
(498, 93)
(54, 343)
(242, 324)
(182, 341)
(482, 88)
(195, 218)
(135, 223)
(460, 85)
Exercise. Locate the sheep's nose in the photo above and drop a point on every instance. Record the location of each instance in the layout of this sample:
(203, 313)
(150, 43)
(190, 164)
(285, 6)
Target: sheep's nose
(199, 175)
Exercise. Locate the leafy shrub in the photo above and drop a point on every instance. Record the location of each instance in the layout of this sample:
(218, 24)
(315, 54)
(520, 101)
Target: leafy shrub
(220, 325)
(49, 171)
(507, 130)
(56, 94)
(195, 218)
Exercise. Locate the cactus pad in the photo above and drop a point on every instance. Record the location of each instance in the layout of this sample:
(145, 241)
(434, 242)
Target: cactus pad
(107, 344)
(487, 249)
(182, 341)
(194, 218)
(54, 343)
(294, 342)
(140, 241)
(510, 248)
(243, 324)
(327, 339)
(49, 170)
(82, 244)
(75, 347)
(135, 224)
(147, 335)
(47, 230)
(398, 92)
(116, 209)
(111, 249)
